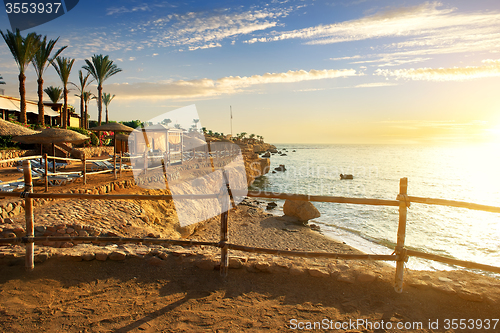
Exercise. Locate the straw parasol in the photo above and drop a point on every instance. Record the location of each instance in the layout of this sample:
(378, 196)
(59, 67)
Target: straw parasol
(121, 137)
(53, 136)
(8, 128)
(114, 127)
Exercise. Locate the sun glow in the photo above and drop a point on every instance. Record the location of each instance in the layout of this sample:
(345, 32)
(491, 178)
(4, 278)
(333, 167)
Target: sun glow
(495, 135)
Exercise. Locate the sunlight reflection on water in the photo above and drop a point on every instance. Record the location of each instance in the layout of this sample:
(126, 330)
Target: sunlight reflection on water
(455, 173)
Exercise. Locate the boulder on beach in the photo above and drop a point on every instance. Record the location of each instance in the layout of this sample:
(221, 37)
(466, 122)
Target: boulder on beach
(267, 154)
(303, 210)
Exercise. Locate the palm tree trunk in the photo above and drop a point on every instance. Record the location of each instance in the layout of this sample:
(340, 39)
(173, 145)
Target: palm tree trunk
(99, 103)
(41, 113)
(107, 120)
(65, 108)
(22, 94)
(86, 125)
(81, 110)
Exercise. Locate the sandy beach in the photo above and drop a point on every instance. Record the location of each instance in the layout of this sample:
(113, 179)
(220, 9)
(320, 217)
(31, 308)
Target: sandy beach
(151, 288)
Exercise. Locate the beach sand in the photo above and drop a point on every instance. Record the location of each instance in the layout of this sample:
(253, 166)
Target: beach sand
(173, 289)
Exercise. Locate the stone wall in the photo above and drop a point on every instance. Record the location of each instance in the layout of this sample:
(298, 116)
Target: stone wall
(14, 153)
(96, 151)
(15, 207)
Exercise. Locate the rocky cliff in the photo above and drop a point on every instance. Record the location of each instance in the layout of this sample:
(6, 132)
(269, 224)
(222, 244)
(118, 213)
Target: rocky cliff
(254, 165)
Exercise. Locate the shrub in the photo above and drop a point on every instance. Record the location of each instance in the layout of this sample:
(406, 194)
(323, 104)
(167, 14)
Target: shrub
(94, 140)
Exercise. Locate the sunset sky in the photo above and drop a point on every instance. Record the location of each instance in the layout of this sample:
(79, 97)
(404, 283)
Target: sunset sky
(362, 71)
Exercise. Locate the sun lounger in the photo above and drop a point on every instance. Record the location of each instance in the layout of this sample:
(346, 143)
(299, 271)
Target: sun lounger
(106, 165)
(11, 186)
(98, 165)
(109, 165)
(55, 180)
(36, 164)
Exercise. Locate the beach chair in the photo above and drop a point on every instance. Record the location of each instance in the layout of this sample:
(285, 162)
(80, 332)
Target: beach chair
(99, 165)
(34, 164)
(55, 180)
(10, 187)
(59, 165)
(110, 166)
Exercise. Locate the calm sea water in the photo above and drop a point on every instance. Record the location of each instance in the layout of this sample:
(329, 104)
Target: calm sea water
(469, 174)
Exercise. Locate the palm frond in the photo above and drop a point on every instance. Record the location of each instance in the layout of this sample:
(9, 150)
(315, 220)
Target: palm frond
(63, 67)
(54, 93)
(22, 48)
(83, 81)
(42, 58)
(107, 98)
(101, 68)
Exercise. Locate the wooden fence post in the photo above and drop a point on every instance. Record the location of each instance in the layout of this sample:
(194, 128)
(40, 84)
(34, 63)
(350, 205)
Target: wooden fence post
(84, 170)
(400, 250)
(46, 173)
(114, 166)
(28, 208)
(224, 201)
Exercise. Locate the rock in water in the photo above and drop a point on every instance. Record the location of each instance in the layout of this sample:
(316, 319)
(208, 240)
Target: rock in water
(303, 210)
(280, 168)
(271, 205)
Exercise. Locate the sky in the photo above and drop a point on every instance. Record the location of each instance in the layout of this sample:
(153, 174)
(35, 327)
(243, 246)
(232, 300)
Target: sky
(346, 72)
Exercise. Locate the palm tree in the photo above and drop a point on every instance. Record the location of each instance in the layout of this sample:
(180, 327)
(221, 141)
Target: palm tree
(101, 68)
(84, 83)
(54, 93)
(106, 99)
(166, 121)
(87, 96)
(63, 67)
(41, 61)
(23, 49)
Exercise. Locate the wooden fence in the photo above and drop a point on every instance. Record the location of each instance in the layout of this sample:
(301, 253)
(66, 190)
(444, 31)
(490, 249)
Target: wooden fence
(400, 255)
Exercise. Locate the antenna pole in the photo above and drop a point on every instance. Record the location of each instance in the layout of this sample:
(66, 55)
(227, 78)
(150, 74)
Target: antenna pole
(231, 114)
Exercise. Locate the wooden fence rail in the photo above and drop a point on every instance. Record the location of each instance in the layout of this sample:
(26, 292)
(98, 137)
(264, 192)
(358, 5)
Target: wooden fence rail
(400, 254)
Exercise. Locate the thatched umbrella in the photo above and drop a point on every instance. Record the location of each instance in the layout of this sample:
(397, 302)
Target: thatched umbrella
(122, 138)
(114, 127)
(8, 128)
(53, 136)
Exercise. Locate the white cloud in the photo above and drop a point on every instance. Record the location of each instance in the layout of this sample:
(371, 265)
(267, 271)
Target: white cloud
(396, 22)
(375, 84)
(490, 69)
(427, 29)
(187, 31)
(199, 30)
(207, 46)
(226, 85)
(346, 58)
(143, 7)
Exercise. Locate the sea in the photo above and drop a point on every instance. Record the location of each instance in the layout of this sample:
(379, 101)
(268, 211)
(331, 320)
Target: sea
(467, 173)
